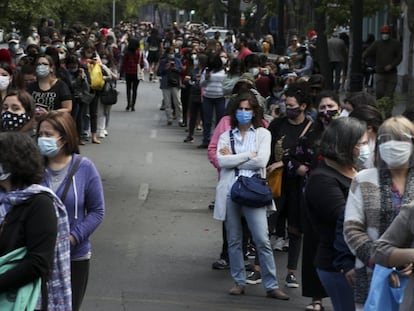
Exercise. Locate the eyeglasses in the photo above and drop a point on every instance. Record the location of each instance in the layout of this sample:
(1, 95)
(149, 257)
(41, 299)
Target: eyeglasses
(382, 138)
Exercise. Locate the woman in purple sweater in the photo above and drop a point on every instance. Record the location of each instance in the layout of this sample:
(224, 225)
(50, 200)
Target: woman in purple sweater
(78, 184)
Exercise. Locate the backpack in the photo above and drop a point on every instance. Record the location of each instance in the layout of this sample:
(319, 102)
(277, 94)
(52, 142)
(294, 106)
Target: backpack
(97, 80)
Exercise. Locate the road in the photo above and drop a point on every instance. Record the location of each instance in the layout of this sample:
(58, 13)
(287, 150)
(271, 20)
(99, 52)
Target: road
(156, 245)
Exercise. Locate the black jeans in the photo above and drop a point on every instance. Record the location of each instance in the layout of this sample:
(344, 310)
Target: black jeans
(79, 276)
(132, 83)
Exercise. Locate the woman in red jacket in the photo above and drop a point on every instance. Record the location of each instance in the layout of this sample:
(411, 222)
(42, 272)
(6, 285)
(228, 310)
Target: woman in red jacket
(129, 69)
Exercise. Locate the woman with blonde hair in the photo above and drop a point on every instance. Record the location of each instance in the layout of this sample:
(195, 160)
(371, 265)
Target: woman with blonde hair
(376, 195)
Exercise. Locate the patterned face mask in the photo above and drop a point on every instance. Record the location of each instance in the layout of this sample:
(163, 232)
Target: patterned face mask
(13, 121)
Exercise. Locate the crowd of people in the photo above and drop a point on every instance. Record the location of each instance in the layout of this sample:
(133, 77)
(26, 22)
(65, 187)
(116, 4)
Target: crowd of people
(346, 171)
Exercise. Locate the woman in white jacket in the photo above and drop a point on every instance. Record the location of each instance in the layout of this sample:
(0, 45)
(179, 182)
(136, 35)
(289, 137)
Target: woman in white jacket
(251, 145)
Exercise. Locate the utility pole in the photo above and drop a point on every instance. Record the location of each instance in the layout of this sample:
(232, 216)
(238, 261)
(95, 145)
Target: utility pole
(356, 76)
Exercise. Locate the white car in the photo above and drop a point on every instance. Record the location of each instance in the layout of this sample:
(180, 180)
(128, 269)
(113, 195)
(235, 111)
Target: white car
(211, 31)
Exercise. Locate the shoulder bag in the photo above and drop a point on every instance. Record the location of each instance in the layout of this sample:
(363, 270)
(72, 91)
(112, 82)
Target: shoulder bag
(251, 191)
(140, 70)
(109, 95)
(275, 177)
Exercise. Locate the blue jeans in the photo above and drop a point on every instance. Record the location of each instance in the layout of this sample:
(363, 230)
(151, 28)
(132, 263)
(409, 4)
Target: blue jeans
(257, 221)
(338, 289)
(209, 105)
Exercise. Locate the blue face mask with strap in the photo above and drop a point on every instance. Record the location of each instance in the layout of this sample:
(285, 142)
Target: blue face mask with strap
(48, 146)
(244, 116)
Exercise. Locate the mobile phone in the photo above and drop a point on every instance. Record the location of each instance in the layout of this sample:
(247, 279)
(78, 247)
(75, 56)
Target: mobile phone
(38, 106)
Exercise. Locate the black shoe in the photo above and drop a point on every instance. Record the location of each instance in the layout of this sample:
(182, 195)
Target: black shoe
(162, 108)
(127, 108)
(220, 264)
(202, 146)
(133, 109)
(189, 139)
(182, 124)
(169, 123)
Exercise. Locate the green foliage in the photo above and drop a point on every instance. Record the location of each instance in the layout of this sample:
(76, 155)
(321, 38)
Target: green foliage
(339, 12)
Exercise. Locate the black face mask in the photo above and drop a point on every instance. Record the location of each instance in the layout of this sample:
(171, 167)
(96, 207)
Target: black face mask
(327, 116)
(293, 113)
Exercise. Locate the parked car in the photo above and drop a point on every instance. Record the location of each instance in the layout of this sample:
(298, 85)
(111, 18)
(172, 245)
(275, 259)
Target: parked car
(212, 30)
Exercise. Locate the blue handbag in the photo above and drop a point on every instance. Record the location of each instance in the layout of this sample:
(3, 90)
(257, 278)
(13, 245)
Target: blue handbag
(251, 191)
(383, 296)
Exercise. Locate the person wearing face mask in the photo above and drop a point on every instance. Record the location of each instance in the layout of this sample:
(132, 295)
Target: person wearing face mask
(17, 113)
(304, 62)
(80, 85)
(373, 118)
(245, 150)
(213, 98)
(6, 78)
(377, 195)
(49, 92)
(388, 55)
(325, 197)
(129, 69)
(33, 219)
(286, 133)
(84, 197)
(308, 151)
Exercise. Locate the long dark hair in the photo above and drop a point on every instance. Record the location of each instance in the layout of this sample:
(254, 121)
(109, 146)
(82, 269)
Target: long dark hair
(133, 45)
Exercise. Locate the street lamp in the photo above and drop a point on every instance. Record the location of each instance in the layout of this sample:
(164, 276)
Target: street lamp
(192, 12)
(113, 14)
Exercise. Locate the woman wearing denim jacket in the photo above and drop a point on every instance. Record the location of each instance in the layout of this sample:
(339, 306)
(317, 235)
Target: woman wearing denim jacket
(252, 151)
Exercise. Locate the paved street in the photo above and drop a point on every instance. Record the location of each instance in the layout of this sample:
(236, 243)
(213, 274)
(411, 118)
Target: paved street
(155, 248)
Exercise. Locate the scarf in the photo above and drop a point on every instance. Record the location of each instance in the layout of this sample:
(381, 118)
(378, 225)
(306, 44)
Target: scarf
(59, 283)
(388, 214)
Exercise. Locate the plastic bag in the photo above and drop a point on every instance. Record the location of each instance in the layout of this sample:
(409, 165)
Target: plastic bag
(383, 296)
(97, 80)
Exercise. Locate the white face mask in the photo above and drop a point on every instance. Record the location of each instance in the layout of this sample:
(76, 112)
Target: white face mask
(4, 82)
(385, 36)
(364, 153)
(223, 60)
(254, 71)
(70, 45)
(395, 153)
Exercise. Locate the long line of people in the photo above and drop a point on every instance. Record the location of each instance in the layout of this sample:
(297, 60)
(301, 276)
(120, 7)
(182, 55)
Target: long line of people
(329, 151)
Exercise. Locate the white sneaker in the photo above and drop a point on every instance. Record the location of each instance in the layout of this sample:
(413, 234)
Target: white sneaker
(277, 244)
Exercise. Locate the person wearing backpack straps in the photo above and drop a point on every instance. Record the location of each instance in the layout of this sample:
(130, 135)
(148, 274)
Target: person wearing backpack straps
(77, 182)
(33, 220)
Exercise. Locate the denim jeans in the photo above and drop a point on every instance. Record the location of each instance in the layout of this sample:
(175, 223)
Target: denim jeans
(257, 221)
(338, 289)
(210, 105)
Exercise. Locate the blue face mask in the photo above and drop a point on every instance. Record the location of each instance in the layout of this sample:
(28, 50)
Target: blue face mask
(48, 146)
(243, 116)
